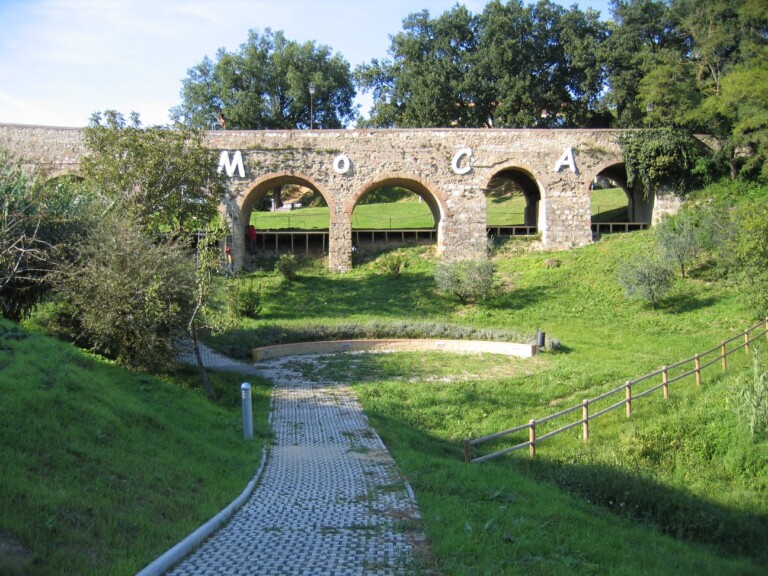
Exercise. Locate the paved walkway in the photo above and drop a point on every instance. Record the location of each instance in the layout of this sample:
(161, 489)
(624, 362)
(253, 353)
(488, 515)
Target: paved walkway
(330, 500)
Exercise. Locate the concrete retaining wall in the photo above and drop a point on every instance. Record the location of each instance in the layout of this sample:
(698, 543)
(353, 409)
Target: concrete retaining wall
(395, 345)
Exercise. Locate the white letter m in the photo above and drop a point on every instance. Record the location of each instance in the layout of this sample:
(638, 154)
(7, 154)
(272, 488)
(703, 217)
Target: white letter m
(229, 167)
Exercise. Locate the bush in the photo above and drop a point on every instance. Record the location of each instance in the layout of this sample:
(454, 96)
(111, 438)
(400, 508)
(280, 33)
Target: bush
(468, 280)
(746, 254)
(245, 298)
(681, 238)
(749, 398)
(393, 264)
(287, 266)
(646, 278)
(128, 296)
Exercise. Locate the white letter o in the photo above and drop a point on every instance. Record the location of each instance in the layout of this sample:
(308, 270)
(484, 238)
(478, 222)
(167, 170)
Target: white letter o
(457, 158)
(341, 164)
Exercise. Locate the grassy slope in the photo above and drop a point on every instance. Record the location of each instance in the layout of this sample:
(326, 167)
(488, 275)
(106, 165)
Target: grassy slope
(102, 469)
(690, 473)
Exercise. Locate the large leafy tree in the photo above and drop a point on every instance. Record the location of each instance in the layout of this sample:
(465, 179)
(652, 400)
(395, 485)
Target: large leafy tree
(642, 35)
(544, 65)
(431, 79)
(39, 220)
(511, 66)
(265, 85)
(165, 178)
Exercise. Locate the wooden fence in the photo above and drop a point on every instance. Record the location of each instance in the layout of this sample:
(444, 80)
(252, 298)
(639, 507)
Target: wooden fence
(718, 354)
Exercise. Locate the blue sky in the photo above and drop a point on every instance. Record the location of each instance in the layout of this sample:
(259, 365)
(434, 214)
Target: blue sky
(61, 60)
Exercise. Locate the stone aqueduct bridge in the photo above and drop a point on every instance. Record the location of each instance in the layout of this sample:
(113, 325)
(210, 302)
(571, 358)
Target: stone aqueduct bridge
(451, 169)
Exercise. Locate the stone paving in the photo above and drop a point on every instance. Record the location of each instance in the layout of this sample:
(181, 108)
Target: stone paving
(330, 500)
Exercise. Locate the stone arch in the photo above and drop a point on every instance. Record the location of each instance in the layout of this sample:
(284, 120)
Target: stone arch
(434, 198)
(256, 189)
(639, 206)
(237, 211)
(523, 178)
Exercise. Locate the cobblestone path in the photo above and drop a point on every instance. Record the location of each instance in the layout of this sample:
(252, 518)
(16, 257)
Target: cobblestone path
(330, 500)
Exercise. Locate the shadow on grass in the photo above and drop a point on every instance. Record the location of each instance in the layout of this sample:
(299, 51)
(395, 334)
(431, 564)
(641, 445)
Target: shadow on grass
(681, 303)
(503, 512)
(674, 512)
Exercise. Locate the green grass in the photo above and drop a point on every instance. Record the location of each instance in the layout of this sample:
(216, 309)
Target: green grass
(677, 489)
(608, 205)
(102, 469)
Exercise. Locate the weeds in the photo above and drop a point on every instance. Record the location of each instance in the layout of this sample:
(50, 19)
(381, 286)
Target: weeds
(749, 398)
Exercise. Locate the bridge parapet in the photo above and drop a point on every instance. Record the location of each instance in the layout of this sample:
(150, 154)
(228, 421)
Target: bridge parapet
(452, 169)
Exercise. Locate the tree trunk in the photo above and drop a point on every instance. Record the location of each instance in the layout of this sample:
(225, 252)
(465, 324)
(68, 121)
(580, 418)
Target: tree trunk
(276, 202)
(200, 366)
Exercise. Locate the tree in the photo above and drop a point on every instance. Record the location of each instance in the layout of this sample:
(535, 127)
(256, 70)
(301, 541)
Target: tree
(23, 253)
(641, 31)
(468, 280)
(38, 220)
(165, 177)
(431, 80)
(746, 253)
(511, 66)
(126, 295)
(686, 235)
(543, 64)
(265, 85)
(646, 279)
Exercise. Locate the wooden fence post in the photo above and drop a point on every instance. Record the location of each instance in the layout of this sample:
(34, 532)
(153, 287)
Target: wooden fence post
(723, 355)
(746, 341)
(532, 438)
(697, 360)
(467, 451)
(585, 420)
(628, 394)
(665, 382)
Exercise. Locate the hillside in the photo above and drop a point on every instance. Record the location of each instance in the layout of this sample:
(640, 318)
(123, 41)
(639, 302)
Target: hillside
(103, 469)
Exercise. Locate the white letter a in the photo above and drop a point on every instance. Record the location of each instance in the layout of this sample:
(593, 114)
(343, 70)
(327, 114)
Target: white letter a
(566, 158)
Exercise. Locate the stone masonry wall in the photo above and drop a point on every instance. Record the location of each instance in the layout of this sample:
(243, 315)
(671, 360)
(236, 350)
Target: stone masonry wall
(450, 168)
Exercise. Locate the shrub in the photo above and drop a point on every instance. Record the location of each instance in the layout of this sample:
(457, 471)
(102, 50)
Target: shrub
(646, 278)
(749, 398)
(129, 296)
(287, 266)
(746, 254)
(468, 280)
(393, 264)
(245, 298)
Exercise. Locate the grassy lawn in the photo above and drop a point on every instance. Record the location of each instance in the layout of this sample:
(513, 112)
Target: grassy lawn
(103, 469)
(679, 488)
(607, 206)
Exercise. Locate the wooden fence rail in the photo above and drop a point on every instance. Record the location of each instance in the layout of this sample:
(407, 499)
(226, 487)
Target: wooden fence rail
(718, 354)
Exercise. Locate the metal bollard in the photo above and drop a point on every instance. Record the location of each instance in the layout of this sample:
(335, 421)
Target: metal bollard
(540, 339)
(245, 388)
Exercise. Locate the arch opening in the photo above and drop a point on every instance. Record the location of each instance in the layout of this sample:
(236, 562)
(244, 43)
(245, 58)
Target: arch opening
(289, 214)
(512, 199)
(614, 206)
(394, 212)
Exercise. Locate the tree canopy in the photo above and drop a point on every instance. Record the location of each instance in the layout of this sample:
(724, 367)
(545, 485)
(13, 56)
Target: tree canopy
(165, 177)
(681, 64)
(265, 85)
(511, 66)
